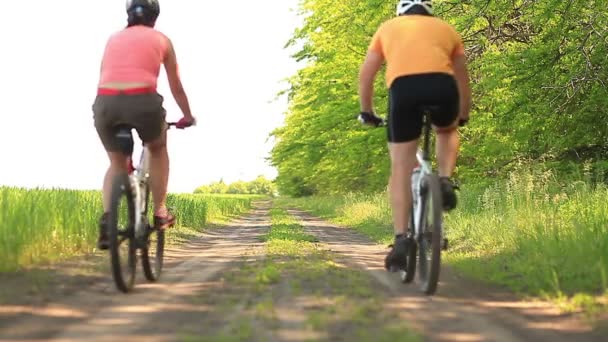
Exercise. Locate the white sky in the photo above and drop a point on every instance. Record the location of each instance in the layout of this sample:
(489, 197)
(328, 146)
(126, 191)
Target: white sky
(232, 64)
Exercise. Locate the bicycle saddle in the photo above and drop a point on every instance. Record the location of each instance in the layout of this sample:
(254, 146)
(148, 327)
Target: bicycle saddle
(124, 136)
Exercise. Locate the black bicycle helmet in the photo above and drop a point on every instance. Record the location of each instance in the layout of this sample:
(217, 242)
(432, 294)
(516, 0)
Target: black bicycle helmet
(143, 10)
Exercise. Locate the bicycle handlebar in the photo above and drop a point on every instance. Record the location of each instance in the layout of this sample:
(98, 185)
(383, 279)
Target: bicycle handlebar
(175, 124)
(372, 119)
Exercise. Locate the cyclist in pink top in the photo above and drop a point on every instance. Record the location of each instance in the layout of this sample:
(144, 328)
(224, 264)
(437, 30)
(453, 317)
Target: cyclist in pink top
(127, 95)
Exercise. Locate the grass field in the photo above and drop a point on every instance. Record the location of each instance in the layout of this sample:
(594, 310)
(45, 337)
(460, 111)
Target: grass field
(45, 225)
(536, 235)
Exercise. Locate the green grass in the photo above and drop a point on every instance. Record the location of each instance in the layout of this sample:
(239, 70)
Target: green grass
(536, 236)
(368, 214)
(47, 225)
(286, 236)
(531, 233)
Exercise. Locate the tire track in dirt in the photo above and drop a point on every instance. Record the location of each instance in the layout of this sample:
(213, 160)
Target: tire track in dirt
(462, 310)
(154, 311)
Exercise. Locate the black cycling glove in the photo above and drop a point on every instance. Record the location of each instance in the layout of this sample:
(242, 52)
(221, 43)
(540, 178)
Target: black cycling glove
(370, 119)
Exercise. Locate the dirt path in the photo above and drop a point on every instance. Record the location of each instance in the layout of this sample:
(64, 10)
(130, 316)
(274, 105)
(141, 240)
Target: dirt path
(462, 310)
(209, 283)
(154, 312)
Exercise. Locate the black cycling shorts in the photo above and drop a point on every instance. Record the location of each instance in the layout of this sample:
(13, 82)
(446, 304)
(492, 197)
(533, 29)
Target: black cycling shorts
(407, 97)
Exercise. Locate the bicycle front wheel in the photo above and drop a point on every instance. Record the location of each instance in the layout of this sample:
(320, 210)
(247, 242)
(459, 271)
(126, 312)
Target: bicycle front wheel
(121, 223)
(429, 241)
(154, 247)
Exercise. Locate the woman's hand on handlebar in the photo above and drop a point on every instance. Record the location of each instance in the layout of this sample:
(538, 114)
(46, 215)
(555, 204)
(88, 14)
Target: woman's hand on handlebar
(185, 122)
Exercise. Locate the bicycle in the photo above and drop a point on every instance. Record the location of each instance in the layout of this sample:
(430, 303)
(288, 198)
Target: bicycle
(136, 232)
(425, 230)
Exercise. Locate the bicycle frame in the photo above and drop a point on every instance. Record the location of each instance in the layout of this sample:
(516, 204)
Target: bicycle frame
(138, 179)
(423, 156)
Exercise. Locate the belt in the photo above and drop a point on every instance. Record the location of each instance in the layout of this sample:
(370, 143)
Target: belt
(129, 91)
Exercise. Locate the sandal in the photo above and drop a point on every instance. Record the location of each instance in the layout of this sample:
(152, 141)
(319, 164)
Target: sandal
(164, 222)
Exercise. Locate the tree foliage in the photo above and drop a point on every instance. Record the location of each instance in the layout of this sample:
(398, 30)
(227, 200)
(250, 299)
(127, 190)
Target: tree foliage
(538, 76)
(259, 186)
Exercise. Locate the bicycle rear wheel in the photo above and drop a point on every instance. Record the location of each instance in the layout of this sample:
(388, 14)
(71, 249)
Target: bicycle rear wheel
(121, 223)
(429, 242)
(154, 247)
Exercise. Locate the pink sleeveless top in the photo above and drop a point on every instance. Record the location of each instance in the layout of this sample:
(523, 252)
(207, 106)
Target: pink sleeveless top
(134, 54)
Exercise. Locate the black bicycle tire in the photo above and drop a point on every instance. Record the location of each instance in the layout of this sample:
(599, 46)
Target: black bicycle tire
(152, 274)
(429, 277)
(120, 188)
(410, 271)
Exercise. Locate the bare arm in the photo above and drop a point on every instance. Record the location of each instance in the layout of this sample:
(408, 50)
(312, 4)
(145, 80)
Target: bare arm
(367, 74)
(462, 78)
(175, 83)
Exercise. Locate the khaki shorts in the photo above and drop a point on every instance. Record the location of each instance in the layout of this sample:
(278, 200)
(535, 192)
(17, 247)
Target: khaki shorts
(144, 112)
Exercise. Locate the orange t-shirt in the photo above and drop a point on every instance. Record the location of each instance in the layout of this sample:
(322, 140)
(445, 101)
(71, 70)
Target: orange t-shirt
(416, 44)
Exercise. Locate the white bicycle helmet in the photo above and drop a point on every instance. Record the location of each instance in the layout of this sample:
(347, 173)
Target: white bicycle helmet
(405, 5)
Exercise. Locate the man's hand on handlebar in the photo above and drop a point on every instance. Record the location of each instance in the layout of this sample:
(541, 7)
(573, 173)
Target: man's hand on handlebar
(463, 120)
(371, 119)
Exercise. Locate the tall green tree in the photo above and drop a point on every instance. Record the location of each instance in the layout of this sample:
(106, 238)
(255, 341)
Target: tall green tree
(322, 148)
(259, 186)
(539, 82)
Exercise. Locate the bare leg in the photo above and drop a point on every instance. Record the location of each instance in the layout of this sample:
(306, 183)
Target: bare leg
(118, 163)
(403, 161)
(448, 142)
(159, 173)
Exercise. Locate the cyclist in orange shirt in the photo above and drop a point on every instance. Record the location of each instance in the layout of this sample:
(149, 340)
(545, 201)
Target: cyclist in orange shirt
(426, 65)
